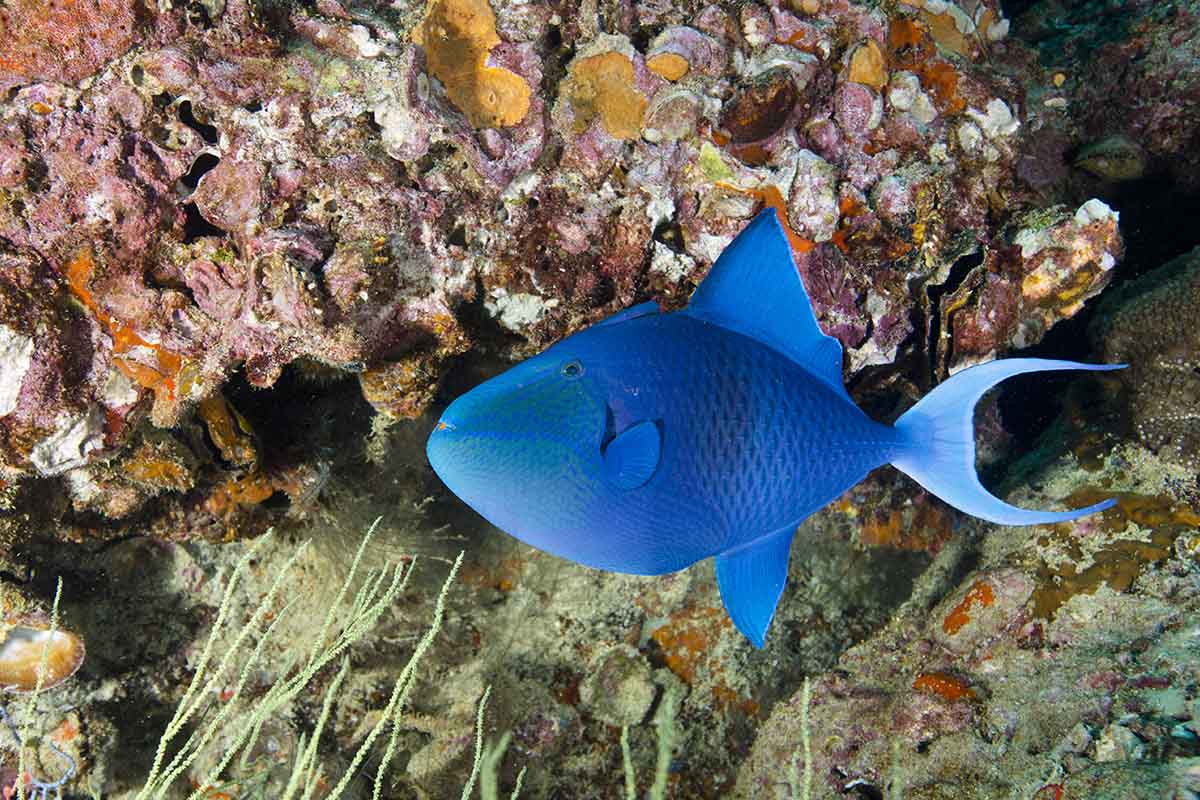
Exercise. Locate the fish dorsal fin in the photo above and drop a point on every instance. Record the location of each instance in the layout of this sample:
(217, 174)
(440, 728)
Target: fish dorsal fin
(633, 312)
(754, 288)
(632, 457)
(752, 580)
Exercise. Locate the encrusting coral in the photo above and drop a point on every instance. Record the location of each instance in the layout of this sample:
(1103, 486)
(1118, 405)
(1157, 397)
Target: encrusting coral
(219, 199)
(243, 243)
(1151, 326)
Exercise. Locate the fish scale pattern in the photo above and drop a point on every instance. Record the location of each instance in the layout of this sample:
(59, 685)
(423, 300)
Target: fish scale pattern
(755, 437)
(751, 443)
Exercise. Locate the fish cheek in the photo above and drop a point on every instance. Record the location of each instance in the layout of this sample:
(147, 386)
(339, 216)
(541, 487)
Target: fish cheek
(588, 416)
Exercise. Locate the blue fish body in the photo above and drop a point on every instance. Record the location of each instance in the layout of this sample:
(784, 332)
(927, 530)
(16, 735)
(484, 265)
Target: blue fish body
(650, 441)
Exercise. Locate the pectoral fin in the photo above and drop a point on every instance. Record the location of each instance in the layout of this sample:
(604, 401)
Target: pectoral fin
(632, 457)
(751, 582)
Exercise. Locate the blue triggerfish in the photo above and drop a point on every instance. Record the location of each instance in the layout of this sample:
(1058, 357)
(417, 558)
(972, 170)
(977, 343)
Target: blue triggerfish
(650, 441)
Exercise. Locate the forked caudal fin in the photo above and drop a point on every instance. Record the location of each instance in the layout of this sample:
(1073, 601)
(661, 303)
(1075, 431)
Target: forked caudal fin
(940, 434)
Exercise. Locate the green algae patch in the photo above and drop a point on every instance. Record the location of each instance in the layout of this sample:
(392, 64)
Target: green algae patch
(712, 165)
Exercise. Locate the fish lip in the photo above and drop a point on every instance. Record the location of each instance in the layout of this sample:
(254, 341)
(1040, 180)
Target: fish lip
(436, 449)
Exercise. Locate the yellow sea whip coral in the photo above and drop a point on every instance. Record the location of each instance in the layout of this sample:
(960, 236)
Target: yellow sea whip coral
(458, 36)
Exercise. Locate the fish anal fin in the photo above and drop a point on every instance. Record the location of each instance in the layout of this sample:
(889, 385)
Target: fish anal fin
(751, 580)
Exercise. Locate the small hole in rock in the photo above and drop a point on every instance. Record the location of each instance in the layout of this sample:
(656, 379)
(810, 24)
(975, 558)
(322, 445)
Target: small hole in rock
(196, 225)
(864, 791)
(207, 132)
(203, 163)
(670, 234)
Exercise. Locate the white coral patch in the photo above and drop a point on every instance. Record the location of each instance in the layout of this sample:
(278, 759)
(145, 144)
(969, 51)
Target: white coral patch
(813, 207)
(522, 187)
(518, 310)
(118, 390)
(1030, 241)
(709, 247)
(660, 209)
(404, 133)
(69, 445)
(965, 25)
(1095, 210)
(367, 48)
(16, 354)
(81, 486)
(903, 90)
(969, 137)
(674, 266)
(756, 31)
(97, 207)
(996, 120)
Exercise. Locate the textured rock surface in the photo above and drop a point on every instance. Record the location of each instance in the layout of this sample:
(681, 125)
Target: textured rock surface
(223, 191)
(247, 245)
(1150, 325)
(1025, 680)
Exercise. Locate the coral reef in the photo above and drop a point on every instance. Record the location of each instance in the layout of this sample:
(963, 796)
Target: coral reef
(1060, 666)
(246, 245)
(231, 190)
(1142, 53)
(1149, 325)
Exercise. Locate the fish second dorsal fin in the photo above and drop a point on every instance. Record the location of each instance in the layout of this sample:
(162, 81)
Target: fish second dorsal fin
(754, 288)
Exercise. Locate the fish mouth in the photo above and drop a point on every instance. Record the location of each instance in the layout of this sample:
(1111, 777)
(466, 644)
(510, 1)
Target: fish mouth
(438, 450)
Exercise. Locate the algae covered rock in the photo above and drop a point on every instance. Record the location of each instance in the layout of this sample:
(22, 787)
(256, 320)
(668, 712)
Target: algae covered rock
(619, 688)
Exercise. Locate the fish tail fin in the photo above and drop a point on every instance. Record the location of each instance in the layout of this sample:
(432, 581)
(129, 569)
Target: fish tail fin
(938, 442)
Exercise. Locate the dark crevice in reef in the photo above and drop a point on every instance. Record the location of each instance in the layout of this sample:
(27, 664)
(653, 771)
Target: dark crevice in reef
(670, 234)
(466, 371)
(958, 273)
(1157, 224)
(203, 164)
(1158, 221)
(207, 132)
(310, 411)
(1015, 8)
(195, 225)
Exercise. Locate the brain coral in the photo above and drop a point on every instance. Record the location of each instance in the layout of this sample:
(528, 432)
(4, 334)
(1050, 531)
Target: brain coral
(1151, 325)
